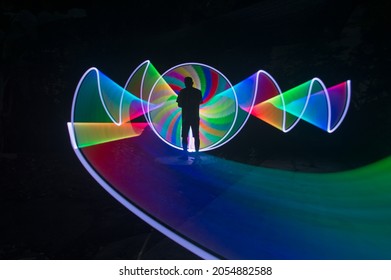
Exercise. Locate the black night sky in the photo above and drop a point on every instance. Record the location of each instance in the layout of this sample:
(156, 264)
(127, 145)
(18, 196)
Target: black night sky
(51, 208)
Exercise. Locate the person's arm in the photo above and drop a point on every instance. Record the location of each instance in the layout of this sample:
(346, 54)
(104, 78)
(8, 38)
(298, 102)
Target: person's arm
(179, 100)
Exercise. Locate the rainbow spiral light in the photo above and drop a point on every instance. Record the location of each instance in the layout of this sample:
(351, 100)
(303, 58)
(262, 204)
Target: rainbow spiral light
(222, 208)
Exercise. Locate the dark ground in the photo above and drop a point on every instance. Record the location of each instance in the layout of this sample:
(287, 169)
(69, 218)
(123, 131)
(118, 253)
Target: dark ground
(51, 208)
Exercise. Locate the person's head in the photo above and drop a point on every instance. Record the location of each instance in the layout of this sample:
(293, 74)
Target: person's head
(188, 82)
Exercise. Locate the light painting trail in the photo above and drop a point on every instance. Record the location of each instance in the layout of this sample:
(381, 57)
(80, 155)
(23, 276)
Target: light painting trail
(221, 208)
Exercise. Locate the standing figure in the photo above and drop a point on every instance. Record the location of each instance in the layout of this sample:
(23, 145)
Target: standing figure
(189, 99)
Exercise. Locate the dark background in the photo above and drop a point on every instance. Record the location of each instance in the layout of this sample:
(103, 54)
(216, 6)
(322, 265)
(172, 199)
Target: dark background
(51, 208)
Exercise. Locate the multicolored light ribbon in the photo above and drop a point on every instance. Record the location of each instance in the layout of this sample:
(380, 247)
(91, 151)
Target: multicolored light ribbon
(225, 108)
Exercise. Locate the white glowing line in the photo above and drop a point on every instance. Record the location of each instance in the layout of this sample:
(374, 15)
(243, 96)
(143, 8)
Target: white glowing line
(326, 93)
(102, 100)
(77, 90)
(100, 96)
(213, 146)
(122, 93)
(270, 77)
(149, 115)
(72, 135)
(348, 85)
(141, 85)
(222, 141)
(306, 103)
(279, 92)
(255, 97)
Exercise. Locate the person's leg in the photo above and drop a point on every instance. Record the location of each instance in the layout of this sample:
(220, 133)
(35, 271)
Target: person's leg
(195, 128)
(184, 144)
(185, 135)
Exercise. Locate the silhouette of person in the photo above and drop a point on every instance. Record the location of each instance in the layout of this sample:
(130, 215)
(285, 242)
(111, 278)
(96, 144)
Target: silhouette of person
(189, 99)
